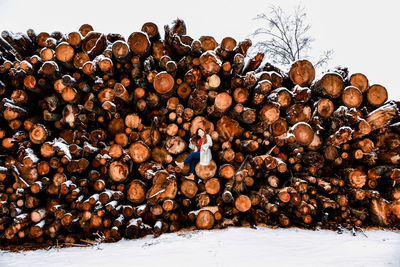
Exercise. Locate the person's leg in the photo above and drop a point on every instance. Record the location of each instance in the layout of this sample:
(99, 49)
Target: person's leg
(195, 159)
(192, 159)
(188, 159)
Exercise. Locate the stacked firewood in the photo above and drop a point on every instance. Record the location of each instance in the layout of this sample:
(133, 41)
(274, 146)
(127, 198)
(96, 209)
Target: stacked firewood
(92, 124)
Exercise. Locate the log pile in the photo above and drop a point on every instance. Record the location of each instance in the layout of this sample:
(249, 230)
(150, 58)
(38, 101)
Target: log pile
(92, 123)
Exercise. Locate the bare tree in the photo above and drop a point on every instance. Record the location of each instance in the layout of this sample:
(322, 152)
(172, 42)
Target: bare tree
(288, 37)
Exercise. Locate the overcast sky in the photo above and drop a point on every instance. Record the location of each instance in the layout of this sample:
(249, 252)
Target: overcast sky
(363, 34)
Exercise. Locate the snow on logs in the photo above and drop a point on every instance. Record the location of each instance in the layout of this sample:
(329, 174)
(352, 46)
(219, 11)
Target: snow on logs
(92, 124)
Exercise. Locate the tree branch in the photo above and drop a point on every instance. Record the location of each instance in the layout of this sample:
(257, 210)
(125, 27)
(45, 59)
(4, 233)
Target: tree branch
(288, 36)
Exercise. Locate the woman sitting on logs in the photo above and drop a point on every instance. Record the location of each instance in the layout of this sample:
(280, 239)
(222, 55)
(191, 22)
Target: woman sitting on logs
(201, 144)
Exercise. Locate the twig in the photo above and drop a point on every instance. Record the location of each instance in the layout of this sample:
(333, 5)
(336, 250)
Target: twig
(361, 230)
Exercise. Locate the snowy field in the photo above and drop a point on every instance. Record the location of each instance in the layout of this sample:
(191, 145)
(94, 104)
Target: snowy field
(229, 247)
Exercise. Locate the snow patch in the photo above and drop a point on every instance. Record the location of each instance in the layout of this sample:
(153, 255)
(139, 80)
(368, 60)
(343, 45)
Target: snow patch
(228, 247)
(63, 146)
(159, 192)
(141, 207)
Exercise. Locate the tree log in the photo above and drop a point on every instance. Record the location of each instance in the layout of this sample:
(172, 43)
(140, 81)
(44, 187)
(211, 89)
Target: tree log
(302, 72)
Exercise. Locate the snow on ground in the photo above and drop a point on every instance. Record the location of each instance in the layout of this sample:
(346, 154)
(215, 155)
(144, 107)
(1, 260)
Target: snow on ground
(229, 247)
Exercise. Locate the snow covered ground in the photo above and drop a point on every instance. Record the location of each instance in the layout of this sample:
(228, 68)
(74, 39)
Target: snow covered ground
(229, 247)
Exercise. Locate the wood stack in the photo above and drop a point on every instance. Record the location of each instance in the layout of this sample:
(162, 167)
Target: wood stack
(92, 123)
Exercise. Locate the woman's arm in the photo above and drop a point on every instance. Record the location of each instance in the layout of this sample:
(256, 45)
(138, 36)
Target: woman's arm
(192, 146)
(209, 143)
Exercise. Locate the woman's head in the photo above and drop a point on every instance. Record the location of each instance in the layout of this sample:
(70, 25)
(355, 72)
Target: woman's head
(200, 132)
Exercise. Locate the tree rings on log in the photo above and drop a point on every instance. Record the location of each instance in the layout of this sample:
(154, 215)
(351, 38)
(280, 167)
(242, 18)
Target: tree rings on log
(325, 107)
(302, 73)
(210, 63)
(164, 187)
(212, 186)
(64, 52)
(205, 220)
(242, 203)
(203, 123)
(136, 191)
(226, 171)
(139, 43)
(331, 84)
(352, 97)
(188, 188)
(303, 133)
(377, 95)
(118, 171)
(360, 81)
(163, 83)
(139, 152)
(357, 178)
(206, 171)
(175, 145)
(38, 134)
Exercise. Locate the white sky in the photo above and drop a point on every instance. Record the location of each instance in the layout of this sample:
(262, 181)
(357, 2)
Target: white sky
(363, 34)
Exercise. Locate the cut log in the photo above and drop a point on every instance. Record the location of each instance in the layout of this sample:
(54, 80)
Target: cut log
(298, 113)
(279, 127)
(38, 215)
(303, 133)
(357, 178)
(228, 128)
(212, 186)
(208, 43)
(164, 187)
(136, 191)
(164, 83)
(222, 103)
(282, 96)
(331, 84)
(198, 101)
(150, 136)
(325, 107)
(152, 31)
(139, 43)
(38, 134)
(175, 145)
(139, 152)
(226, 171)
(352, 97)
(242, 203)
(302, 72)
(94, 43)
(118, 171)
(269, 113)
(205, 220)
(203, 123)
(360, 81)
(206, 171)
(121, 50)
(188, 188)
(161, 155)
(377, 95)
(209, 63)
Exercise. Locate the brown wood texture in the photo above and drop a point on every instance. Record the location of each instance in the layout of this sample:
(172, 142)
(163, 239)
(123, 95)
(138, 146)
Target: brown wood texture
(92, 124)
